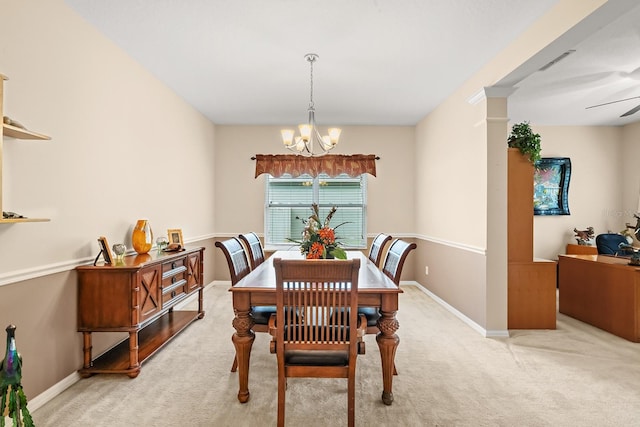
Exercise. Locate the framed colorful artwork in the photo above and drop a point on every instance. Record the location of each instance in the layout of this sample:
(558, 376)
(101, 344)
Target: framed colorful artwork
(551, 186)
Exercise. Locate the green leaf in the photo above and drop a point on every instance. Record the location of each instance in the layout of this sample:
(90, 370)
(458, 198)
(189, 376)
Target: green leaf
(338, 253)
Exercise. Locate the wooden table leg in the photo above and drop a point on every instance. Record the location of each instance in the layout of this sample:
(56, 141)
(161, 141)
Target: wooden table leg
(86, 349)
(388, 343)
(243, 341)
(134, 363)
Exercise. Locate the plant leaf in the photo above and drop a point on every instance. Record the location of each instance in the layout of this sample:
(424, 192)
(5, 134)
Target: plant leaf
(338, 253)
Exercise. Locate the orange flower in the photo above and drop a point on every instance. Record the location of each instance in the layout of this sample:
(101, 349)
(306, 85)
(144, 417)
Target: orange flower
(327, 235)
(316, 251)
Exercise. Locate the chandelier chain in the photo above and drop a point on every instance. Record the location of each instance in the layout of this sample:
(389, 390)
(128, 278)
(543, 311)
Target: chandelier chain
(311, 58)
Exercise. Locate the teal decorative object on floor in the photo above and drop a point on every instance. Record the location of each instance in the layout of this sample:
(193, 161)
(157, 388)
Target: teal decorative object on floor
(12, 398)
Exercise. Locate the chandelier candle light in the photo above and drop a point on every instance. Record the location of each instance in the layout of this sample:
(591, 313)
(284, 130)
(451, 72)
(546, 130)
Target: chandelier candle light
(310, 137)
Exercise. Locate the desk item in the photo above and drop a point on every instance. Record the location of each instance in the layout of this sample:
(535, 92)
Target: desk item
(601, 291)
(258, 288)
(142, 237)
(583, 237)
(316, 331)
(137, 296)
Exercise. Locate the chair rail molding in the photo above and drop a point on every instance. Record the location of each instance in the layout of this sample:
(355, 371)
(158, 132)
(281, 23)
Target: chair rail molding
(456, 245)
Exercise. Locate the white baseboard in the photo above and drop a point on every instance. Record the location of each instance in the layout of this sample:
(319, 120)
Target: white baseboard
(485, 333)
(44, 397)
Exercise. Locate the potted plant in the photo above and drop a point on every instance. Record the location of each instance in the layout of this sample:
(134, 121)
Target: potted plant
(523, 138)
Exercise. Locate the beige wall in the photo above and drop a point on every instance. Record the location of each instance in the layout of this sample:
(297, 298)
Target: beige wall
(123, 147)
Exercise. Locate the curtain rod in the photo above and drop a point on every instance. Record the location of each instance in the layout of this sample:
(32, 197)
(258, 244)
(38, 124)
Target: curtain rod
(377, 158)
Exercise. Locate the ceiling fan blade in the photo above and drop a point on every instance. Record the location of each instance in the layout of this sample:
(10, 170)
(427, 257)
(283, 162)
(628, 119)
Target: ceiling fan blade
(613, 102)
(632, 111)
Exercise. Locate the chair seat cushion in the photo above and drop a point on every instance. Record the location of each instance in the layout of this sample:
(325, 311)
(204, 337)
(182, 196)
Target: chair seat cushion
(371, 313)
(261, 314)
(316, 358)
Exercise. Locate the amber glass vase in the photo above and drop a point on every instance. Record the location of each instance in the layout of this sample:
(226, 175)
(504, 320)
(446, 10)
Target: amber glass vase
(142, 237)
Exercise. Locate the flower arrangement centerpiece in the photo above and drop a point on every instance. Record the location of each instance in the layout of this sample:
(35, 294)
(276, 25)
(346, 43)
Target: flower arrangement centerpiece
(318, 238)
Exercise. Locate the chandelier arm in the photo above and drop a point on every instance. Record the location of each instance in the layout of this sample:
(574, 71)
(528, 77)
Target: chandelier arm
(305, 144)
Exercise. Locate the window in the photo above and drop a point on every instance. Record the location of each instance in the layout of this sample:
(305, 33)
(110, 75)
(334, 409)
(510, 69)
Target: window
(288, 201)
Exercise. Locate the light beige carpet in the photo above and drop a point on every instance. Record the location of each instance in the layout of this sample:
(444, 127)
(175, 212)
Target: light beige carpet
(449, 375)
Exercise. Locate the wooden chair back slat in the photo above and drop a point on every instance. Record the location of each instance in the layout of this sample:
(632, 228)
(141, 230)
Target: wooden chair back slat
(377, 248)
(316, 311)
(236, 258)
(396, 256)
(254, 248)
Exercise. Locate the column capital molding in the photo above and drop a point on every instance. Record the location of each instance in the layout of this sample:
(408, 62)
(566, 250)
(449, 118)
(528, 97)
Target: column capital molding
(491, 92)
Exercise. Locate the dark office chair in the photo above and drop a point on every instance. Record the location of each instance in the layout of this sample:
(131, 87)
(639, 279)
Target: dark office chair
(609, 244)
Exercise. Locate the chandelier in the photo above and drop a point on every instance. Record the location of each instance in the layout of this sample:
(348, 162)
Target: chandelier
(310, 138)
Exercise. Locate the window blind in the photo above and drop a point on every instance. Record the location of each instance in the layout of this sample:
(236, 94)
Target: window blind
(288, 203)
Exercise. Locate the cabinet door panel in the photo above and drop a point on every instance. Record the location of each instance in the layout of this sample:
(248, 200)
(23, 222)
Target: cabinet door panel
(194, 267)
(149, 292)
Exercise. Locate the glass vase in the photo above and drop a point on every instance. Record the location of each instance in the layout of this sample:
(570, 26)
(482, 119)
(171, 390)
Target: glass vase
(142, 237)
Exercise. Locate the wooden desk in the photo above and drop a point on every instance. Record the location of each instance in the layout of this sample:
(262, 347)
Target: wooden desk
(259, 288)
(602, 291)
(581, 249)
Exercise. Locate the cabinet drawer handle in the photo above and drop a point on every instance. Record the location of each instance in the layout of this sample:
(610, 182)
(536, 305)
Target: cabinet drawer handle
(173, 294)
(173, 265)
(173, 279)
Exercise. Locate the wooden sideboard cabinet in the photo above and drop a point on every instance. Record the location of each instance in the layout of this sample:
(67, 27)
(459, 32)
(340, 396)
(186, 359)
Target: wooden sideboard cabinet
(137, 295)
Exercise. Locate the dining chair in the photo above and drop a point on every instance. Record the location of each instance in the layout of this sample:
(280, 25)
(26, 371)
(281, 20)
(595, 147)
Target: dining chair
(395, 258)
(316, 332)
(238, 264)
(393, 263)
(377, 246)
(254, 248)
(236, 258)
(392, 267)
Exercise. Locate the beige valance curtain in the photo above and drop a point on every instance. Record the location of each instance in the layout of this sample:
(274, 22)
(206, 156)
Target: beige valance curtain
(331, 164)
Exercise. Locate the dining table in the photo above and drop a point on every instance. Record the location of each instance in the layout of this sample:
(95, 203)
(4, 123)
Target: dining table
(258, 288)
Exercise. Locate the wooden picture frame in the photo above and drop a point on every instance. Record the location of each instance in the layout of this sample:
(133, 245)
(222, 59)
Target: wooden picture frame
(175, 236)
(551, 186)
(105, 249)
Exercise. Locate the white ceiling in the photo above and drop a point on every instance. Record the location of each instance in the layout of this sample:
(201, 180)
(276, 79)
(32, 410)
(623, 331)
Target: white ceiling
(381, 62)
(605, 67)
